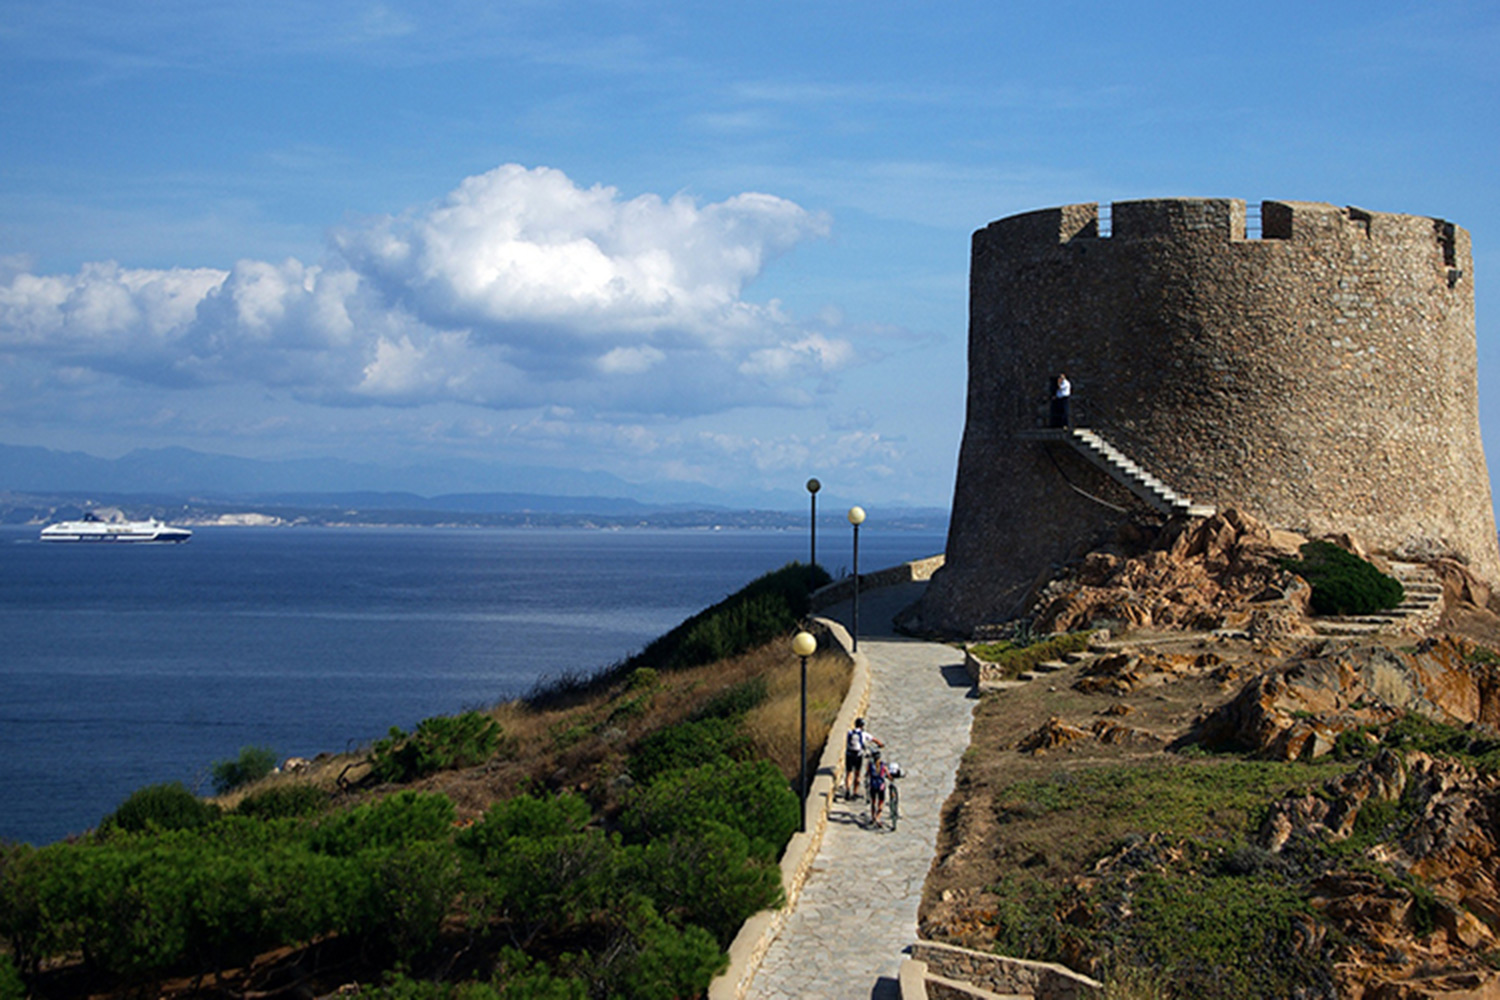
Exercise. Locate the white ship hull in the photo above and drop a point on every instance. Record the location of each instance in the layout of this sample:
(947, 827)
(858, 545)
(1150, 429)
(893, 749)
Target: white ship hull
(94, 530)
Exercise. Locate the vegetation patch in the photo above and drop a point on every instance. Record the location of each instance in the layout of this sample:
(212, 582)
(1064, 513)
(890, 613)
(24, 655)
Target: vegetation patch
(1477, 748)
(1343, 583)
(439, 744)
(1015, 657)
(252, 764)
(1172, 882)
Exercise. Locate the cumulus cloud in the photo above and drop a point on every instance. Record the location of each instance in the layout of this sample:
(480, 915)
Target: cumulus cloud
(520, 288)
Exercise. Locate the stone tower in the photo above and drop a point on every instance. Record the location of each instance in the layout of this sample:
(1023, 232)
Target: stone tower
(1320, 376)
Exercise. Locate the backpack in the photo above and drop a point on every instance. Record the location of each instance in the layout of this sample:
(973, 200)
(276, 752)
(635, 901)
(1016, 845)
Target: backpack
(856, 741)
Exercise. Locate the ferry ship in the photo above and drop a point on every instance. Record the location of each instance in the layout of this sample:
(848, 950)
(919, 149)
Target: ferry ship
(93, 528)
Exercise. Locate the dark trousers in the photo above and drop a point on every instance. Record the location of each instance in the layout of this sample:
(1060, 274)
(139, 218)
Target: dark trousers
(1061, 414)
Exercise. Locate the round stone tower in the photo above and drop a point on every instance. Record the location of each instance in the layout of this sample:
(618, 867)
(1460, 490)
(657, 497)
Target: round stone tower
(1320, 376)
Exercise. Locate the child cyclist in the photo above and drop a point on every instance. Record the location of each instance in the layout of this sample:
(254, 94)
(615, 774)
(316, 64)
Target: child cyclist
(856, 745)
(880, 779)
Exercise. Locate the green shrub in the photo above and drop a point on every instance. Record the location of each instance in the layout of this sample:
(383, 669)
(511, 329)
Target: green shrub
(163, 807)
(252, 764)
(751, 797)
(403, 819)
(1343, 583)
(12, 986)
(543, 883)
(527, 816)
(283, 802)
(440, 743)
(409, 891)
(685, 745)
(706, 877)
(1015, 657)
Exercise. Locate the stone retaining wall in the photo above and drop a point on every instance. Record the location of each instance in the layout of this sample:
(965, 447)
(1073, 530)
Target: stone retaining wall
(948, 972)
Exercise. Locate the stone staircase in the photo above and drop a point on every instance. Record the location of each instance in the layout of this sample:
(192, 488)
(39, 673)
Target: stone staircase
(1118, 466)
(1420, 610)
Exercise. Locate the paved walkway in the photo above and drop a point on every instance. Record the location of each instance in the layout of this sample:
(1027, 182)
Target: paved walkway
(858, 910)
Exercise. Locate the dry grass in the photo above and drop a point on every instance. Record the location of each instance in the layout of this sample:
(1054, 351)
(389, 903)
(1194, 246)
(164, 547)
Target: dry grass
(774, 727)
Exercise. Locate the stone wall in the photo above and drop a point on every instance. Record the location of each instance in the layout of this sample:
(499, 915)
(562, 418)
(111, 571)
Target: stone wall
(949, 968)
(1321, 376)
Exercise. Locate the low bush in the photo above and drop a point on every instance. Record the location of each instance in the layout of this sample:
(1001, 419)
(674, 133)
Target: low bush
(12, 986)
(252, 764)
(752, 797)
(686, 745)
(1343, 583)
(708, 878)
(440, 743)
(283, 802)
(404, 819)
(162, 807)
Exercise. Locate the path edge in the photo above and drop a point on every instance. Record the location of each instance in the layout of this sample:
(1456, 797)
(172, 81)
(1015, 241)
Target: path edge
(750, 945)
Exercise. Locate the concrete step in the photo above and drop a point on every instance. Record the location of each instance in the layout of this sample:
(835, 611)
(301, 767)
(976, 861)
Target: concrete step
(1155, 493)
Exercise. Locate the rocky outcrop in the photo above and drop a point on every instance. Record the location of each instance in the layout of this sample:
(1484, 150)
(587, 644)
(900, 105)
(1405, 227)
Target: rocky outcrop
(1220, 572)
(1427, 931)
(1299, 708)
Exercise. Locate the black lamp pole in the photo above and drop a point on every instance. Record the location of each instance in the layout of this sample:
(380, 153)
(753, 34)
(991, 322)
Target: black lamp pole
(813, 486)
(856, 517)
(803, 644)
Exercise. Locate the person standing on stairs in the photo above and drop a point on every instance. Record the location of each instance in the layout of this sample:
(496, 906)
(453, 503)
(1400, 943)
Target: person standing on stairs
(1062, 396)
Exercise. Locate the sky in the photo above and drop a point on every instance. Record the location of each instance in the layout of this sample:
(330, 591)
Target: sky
(677, 242)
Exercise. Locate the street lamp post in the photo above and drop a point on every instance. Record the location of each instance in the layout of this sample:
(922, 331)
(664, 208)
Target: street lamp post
(803, 644)
(856, 518)
(813, 486)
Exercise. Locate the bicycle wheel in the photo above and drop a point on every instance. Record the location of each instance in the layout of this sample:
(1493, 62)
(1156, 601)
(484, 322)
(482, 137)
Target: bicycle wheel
(893, 803)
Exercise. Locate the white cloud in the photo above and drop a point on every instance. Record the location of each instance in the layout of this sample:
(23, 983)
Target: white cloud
(520, 288)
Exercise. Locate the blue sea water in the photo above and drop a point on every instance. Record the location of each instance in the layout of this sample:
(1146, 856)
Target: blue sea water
(122, 666)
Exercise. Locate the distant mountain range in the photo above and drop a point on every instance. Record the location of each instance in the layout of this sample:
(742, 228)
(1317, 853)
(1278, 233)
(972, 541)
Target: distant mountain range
(39, 483)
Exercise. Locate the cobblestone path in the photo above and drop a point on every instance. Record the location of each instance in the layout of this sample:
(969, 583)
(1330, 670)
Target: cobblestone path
(858, 910)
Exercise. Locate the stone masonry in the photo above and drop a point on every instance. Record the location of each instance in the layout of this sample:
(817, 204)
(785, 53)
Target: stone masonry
(1320, 376)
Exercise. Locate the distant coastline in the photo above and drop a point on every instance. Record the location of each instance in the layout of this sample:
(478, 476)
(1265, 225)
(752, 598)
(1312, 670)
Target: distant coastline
(486, 510)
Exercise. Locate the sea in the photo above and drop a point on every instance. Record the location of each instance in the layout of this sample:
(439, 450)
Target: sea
(128, 665)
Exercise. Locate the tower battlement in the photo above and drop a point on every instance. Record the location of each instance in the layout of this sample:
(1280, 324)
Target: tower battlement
(1317, 370)
(1222, 220)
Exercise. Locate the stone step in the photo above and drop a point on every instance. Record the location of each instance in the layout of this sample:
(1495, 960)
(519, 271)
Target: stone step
(1143, 484)
(1077, 656)
(1050, 666)
(1325, 627)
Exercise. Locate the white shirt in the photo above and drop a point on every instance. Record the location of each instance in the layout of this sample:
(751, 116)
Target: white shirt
(1064, 388)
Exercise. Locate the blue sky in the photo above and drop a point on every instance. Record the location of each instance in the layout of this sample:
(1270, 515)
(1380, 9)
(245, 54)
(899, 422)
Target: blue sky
(683, 242)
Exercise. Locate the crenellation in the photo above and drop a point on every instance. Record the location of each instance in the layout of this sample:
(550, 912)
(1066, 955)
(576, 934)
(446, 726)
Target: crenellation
(1321, 376)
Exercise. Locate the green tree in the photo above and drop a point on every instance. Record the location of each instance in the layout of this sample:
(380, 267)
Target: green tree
(252, 764)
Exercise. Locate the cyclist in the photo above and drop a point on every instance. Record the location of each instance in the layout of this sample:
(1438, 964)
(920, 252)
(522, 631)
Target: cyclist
(880, 779)
(856, 745)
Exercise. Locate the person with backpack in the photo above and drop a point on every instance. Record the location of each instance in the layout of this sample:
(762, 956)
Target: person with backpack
(856, 744)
